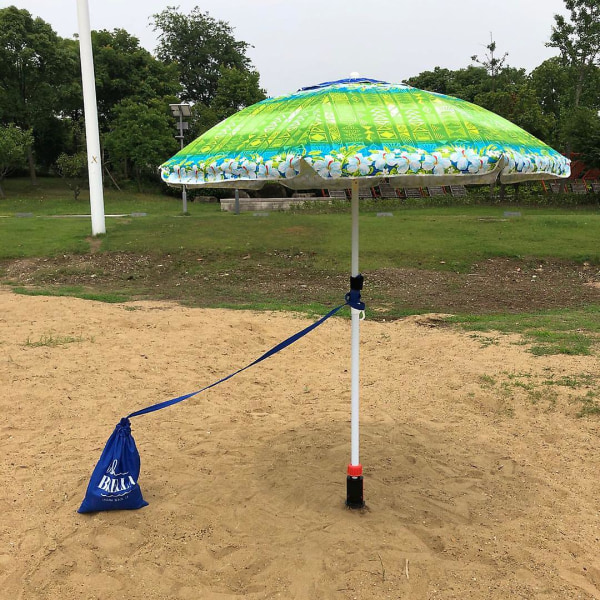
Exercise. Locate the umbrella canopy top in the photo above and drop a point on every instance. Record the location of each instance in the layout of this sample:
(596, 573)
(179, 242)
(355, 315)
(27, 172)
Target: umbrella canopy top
(322, 136)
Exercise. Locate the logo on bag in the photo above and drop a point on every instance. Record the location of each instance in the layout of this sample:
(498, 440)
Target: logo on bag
(114, 483)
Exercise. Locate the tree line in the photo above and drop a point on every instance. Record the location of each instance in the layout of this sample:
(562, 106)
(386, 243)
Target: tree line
(558, 102)
(198, 60)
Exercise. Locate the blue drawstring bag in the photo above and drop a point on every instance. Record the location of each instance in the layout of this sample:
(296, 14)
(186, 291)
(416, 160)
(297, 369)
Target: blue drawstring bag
(114, 482)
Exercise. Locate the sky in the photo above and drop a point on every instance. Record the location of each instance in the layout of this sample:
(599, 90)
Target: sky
(301, 43)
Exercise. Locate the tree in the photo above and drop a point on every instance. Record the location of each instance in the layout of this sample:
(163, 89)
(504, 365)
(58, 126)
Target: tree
(14, 144)
(510, 95)
(463, 83)
(73, 168)
(236, 89)
(141, 135)
(491, 63)
(469, 82)
(520, 106)
(32, 60)
(124, 70)
(201, 47)
(554, 85)
(437, 80)
(581, 129)
(578, 40)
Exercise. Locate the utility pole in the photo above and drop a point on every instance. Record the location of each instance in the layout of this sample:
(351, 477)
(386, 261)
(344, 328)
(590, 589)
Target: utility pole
(179, 111)
(92, 134)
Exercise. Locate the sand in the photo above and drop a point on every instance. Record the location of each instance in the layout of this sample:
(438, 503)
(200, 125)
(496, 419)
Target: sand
(480, 479)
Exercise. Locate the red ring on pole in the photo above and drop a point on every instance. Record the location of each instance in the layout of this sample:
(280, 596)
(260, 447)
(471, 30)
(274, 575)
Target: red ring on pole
(355, 470)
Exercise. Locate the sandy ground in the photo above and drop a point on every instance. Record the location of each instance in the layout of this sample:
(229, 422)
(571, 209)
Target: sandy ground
(480, 480)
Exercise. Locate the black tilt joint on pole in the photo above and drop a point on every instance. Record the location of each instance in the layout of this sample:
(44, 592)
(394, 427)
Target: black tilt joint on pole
(353, 296)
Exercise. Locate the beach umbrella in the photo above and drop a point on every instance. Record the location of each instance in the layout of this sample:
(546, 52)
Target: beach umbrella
(362, 132)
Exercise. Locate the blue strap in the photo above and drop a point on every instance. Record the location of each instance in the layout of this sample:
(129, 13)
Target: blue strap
(353, 300)
(350, 301)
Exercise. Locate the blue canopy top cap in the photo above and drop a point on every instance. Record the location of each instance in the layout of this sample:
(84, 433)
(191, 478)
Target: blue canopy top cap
(342, 81)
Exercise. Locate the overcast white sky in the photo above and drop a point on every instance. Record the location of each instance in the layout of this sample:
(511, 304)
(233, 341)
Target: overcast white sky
(300, 43)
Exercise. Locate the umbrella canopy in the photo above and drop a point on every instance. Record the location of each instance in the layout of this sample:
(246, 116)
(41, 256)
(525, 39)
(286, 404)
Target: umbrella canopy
(322, 136)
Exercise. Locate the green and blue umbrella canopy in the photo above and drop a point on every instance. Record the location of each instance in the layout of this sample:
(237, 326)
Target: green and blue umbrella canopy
(325, 135)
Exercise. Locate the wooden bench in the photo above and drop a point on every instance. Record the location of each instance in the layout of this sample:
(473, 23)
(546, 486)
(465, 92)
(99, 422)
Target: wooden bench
(413, 193)
(387, 190)
(436, 190)
(458, 190)
(339, 194)
(579, 187)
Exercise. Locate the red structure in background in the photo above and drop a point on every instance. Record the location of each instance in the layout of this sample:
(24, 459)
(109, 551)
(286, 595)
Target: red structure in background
(581, 176)
(579, 170)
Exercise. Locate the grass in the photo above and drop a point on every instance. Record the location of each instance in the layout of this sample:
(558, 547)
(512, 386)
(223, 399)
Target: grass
(433, 239)
(484, 340)
(51, 197)
(72, 291)
(487, 381)
(565, 331)
(590, 405)
(560, 342)
(439, 238)
(226, 249)
(573, 381)
(51, 340)
(542, 392)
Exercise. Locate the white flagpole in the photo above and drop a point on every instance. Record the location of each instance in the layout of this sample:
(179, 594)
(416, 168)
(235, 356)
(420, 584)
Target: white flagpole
(91, 118)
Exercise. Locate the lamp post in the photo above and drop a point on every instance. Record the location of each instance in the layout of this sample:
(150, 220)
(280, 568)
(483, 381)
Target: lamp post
(91, 118)
(180, 111)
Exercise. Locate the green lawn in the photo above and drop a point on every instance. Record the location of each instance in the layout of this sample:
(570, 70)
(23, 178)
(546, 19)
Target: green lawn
(451, 238)
(311, 246)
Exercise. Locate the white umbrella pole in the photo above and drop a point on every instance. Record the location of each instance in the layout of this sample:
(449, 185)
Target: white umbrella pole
(355, 396)
(354, 497)
(91, 118)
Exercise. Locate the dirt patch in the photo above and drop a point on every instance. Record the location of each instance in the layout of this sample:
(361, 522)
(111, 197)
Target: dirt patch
(95, 243)
(493, 285)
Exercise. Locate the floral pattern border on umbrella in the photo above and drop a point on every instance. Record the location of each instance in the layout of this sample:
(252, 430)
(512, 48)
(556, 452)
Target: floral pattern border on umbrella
(365, 129)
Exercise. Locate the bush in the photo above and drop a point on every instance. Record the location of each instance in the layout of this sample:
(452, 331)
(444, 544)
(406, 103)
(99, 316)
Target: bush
(529, 194)
(73, 169)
